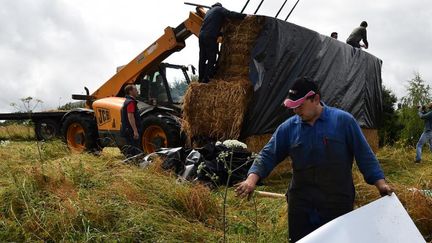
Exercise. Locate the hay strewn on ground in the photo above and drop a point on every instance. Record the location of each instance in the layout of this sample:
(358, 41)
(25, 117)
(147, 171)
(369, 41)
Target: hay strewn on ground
(80, 197)
(216, 109)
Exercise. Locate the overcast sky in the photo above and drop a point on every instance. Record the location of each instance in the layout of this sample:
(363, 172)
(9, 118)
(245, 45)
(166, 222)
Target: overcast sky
(50, 49)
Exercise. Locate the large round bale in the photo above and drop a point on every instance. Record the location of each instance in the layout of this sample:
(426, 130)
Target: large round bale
(216, 109)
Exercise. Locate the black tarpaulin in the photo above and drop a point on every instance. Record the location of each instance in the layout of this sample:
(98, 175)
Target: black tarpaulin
(348, 78)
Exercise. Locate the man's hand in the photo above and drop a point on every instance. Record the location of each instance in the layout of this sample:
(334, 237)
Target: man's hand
(383, 188)
(136, 135)
(246, 188)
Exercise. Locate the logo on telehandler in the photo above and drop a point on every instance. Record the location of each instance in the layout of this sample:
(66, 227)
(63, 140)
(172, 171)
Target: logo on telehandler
(104, 116)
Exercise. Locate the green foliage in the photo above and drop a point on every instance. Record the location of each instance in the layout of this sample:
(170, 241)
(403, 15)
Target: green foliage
(389, 126)
(72, 105)
(178, 89)
(418, 94)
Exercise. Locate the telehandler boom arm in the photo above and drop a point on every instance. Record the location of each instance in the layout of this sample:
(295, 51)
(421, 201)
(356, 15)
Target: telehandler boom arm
(171, 41)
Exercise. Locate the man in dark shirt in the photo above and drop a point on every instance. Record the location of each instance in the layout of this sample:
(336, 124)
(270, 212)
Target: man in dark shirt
(130, 122)
(357, 35)
(210, 31)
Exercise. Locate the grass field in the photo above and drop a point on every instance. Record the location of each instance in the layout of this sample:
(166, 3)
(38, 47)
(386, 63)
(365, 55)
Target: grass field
(17, 132)
(49, 194)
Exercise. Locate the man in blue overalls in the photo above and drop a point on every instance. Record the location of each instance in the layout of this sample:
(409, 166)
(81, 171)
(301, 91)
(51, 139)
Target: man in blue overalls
(322, 142)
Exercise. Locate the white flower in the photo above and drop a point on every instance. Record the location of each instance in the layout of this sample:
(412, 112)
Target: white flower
(4, 143)
(234, 144)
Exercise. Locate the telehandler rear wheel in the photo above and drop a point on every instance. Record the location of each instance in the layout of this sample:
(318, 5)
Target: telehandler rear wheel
(157, 134)
(80, 133)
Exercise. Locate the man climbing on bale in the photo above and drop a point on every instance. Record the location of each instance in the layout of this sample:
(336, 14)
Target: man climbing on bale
(357, 35)
(322, 142)
(426, 136)
(334, 35)
(130, 122)
(210, 31)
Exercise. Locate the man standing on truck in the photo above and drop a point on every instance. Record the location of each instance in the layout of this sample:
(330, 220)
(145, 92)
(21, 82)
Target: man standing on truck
(322, 142)
(357, 35)
(426, 136)
(130, 121)
(210, 31)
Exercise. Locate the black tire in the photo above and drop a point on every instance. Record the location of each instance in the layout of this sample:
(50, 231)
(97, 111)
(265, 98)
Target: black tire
(170, 128)
(87, 140)
(46, 129)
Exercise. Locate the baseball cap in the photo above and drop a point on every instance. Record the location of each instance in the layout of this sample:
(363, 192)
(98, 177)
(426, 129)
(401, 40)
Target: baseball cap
(302, 89)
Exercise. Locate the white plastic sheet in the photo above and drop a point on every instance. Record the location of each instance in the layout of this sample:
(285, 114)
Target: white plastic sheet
(384, 220)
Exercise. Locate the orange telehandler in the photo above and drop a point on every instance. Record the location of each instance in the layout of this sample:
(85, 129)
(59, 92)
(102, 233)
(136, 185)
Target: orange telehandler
(98, 125)
(161, 87)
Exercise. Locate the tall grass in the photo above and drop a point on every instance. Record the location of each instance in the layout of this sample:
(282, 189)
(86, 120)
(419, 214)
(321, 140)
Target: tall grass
(79, 197)
(17, 132)
(74, 197)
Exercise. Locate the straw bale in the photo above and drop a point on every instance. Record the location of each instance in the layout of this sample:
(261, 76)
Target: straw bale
(216, 109)
(234, 72)
(372, 138)
(239, 39)
(256, 143)
(237, 48)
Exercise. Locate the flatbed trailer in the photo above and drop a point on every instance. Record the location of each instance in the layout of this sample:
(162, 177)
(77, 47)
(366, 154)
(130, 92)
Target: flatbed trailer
(47, 124)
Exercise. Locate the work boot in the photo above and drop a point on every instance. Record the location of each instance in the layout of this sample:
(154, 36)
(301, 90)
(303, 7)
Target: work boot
(417, 161)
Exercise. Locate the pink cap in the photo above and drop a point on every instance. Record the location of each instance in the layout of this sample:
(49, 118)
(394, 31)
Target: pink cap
(291, 104)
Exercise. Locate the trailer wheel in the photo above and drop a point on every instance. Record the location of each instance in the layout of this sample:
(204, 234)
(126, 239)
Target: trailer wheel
(46, 129)
(80, 133)
(157, 134)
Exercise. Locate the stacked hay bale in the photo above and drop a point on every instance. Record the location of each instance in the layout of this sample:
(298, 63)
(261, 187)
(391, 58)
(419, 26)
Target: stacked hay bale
(372, 138)
(239, 39)
(217, 109)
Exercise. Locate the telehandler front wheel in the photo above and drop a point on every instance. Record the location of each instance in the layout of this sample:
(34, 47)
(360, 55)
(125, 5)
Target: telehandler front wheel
(80, 133)
(158, 133)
